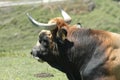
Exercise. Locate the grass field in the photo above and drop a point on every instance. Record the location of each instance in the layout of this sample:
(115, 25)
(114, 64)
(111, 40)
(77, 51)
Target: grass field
(25, 68)
(18, 35)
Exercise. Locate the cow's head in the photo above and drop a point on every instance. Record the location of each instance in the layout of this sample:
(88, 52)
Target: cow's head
(44, 46)
(56, 25)
(49, 39)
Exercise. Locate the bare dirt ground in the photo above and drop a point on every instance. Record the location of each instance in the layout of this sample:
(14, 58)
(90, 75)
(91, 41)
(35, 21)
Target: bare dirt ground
(43, 75)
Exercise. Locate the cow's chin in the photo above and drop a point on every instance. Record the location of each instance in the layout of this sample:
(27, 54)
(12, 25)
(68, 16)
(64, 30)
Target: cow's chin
(38, 59)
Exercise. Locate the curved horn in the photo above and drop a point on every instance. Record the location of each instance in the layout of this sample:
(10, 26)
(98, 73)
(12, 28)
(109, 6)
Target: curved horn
(66, 17)
(50, 26)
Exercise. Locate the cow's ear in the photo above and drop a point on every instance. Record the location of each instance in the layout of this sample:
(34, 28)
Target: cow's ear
(62, 34)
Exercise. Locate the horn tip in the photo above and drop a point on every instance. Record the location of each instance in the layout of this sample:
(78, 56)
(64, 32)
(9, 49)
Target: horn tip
(27, 14)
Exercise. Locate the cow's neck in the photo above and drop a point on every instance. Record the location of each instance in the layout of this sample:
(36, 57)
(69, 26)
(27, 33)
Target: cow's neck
(86, 43)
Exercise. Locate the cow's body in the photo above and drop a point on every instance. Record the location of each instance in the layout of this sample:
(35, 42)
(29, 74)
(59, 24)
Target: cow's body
(83, 54)
(88, 54)
(96, 54)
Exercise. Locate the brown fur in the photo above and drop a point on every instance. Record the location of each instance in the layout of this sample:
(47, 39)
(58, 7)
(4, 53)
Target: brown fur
(60, 22)
(91, 52)
(110, 41)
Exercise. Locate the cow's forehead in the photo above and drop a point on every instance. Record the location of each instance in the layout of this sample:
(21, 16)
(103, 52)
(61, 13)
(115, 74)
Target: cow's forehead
(56, 20)
(45, 31)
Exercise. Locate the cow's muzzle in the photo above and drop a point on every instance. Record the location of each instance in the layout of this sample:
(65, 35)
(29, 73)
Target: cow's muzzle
(34, 52)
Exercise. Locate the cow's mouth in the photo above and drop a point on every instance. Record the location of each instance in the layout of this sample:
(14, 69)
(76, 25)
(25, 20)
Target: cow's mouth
(34, 55)
(38, 59)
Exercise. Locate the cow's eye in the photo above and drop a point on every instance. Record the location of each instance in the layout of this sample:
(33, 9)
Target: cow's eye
(46, 41)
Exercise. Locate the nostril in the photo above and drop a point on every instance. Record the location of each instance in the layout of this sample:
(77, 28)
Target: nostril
(31, 52)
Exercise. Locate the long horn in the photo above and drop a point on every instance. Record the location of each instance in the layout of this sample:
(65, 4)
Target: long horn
(66, 17)
(50, 26)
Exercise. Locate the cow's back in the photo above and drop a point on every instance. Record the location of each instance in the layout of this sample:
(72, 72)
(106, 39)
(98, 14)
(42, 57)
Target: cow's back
(113, 63)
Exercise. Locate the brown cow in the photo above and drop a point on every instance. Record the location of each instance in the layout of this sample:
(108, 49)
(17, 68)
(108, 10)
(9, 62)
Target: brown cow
(83, 54)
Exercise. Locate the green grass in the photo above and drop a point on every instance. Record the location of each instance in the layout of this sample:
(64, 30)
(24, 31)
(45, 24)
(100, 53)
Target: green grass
(25, 68)
(17, 0)
(105, 16)
(18, 35)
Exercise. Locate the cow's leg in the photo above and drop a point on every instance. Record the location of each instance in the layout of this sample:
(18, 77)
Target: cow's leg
(77, 75)
(70, 76)
(74, 76)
